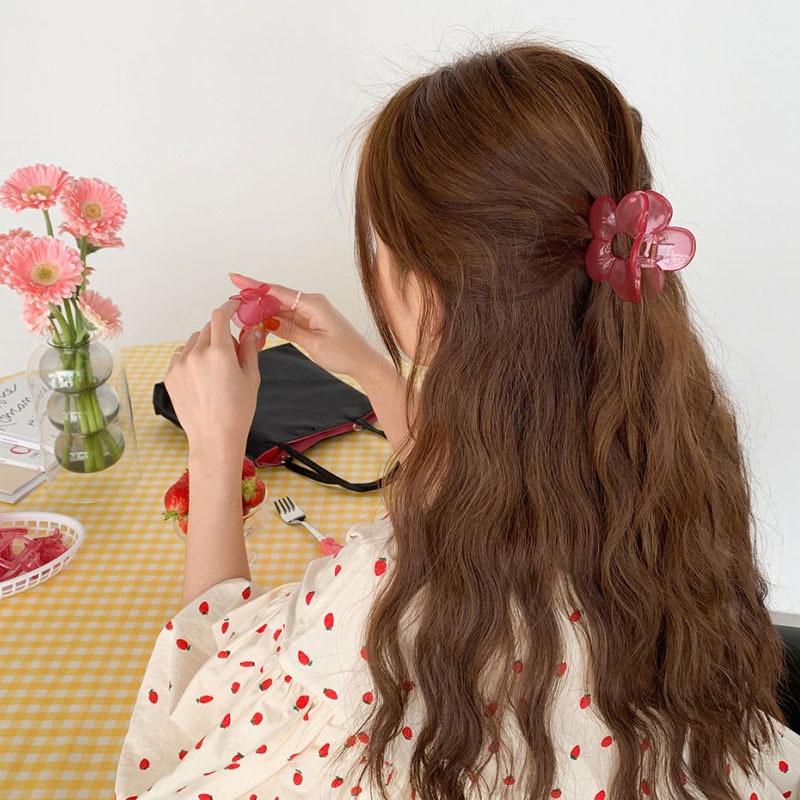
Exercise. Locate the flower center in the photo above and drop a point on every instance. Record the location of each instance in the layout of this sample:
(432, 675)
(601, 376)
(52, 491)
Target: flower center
(92, 210)
(44, 274)
(621, 245)
(42, 189)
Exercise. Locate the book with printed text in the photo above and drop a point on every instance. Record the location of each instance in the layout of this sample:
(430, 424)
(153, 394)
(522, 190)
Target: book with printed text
(17, 418)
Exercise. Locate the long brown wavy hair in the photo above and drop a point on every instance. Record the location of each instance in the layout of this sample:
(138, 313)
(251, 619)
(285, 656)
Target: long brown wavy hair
(560, 431)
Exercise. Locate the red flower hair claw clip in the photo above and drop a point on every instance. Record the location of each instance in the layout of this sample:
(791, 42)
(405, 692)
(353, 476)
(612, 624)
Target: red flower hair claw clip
(644, 216)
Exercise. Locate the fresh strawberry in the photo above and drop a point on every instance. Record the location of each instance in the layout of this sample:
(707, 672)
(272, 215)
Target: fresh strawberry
(253, 493)
(176, 500)
(183, 523)
(248, 468)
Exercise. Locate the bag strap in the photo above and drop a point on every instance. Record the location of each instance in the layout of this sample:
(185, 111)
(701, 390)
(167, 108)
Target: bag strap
(316, 472)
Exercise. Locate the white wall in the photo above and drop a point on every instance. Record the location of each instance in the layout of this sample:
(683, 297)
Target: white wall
(226, 124)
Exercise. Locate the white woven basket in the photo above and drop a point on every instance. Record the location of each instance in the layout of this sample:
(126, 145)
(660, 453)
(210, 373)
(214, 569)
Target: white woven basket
(42, 523)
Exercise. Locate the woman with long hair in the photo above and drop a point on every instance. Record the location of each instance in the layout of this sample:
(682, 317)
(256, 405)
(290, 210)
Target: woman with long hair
(563, 600)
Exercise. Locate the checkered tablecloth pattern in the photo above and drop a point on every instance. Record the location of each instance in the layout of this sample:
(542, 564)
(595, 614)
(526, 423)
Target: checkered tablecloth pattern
(75, 647)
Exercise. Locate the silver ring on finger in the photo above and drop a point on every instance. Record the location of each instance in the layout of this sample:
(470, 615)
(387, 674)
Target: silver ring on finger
(296, 301)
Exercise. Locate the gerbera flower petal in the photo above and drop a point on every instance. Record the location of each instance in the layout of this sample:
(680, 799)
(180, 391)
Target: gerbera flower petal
(94, 239)
(92, 208)
(7, 240)
(103, 313)
(36, 316)
(43, 269)
(38, 186)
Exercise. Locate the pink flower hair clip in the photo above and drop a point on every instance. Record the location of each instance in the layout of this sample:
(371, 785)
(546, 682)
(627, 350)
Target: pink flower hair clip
(257, 308)
(644, 216)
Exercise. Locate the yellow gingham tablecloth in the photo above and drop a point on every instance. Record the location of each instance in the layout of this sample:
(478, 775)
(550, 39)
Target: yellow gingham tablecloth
(76, 646)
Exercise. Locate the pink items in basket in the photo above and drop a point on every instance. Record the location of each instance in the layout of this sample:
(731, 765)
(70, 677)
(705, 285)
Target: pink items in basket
(29, 563)
(20, 553)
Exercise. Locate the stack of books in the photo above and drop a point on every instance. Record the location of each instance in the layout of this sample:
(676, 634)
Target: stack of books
(21, 462)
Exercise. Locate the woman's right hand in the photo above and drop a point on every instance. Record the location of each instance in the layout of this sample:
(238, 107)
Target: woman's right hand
(319, 328)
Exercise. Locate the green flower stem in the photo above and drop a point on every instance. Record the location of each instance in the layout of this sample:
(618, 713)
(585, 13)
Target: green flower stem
(47, 222)
(70, 319)
(66, 339)
(84, 249)
(85, 424)
(113, 448)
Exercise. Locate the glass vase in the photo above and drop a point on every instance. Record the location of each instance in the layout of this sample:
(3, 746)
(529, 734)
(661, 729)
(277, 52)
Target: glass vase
(83, 412)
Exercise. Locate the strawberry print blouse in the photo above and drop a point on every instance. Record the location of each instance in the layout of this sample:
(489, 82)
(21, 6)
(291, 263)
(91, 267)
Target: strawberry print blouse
(264, 695)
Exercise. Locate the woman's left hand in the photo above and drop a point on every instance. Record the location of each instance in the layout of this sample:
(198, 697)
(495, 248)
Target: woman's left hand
(212, 382)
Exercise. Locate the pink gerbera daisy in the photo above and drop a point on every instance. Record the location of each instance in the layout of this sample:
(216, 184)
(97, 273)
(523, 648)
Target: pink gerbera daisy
(92, 208)
(7, 241)
(36, 316)
(99, 240)
(101, 312)
(38, 186)
(43, 269)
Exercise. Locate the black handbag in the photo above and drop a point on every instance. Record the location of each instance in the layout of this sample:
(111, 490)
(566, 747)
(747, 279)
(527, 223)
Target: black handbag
(299, 404)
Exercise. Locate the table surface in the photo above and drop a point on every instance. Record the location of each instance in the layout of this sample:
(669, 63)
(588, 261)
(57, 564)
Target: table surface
(76, 646)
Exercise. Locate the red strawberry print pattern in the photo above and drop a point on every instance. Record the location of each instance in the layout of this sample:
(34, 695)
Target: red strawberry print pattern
(277, 683)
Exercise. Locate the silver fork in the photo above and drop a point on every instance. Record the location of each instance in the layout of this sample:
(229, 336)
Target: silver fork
(292, 514)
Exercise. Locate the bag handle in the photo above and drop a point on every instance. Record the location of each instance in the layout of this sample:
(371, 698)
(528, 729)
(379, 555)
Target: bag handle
(316, 472)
